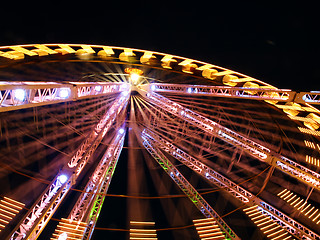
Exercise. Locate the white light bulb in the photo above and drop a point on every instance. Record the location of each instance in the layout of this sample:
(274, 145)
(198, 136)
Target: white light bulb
(20, 94)
(97, 88)
(64, 92)
(62, 178)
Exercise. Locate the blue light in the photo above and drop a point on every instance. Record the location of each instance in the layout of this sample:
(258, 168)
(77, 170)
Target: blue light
(121, 131)
(64, 92)
(189, 90)
(20, 94)
(97, 88)
(62, 178)
(153, 87)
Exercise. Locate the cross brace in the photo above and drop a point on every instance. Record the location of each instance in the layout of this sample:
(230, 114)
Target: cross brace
(284, 221)
(251, 147)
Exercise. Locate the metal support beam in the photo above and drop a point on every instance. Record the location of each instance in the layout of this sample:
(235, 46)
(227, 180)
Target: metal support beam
(40, 213)
(89, 203)
(281, 219)
(187, 188)
(273, 94)
(249, 146)
(253, 93)
(19, 95)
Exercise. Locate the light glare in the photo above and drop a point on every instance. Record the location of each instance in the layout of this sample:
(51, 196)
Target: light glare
(134, 77)
(63, 236)
(97, 88)
(62, 178)
(64, 92)
(20, 94)
(121, 130)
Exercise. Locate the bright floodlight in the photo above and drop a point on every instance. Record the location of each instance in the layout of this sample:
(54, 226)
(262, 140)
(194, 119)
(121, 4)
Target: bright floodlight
(64, 92)
(20, 94)
(97, 88)
(63, 236)
(62, 178)
(121, 130)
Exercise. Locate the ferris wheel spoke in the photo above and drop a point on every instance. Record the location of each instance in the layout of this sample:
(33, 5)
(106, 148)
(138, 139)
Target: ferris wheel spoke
(14, 96)
(86, 210)
(253, 148)
(252, 201)
(187, 188)
(41, 212)
(253, 92)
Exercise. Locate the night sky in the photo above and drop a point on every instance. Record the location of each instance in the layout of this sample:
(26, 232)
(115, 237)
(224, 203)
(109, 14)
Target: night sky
(274, 41)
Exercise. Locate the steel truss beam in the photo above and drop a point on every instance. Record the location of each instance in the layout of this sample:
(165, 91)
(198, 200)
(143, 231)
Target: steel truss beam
(251, 147)
(284, 221)
(14, 96)
(89, 203)
(187, 188)
(262, 93)
(223, 91)
(40, 213)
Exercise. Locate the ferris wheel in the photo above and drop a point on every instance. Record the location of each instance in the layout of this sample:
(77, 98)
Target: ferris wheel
(101, 142)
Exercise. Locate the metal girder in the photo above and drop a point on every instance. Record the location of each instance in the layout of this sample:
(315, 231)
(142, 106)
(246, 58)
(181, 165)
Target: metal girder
(251, 147)
(199, 167)
(19, 95)
(284, 221)
(187, 188)
(312, 97)
(253, 93)
(282, 95)
(94, 210)
(40, 213)
(89, 203)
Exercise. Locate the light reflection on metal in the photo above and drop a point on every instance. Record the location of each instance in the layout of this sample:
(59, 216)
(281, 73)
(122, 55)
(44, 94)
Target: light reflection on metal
(223, 91)
(9, 208)
(268, 225)
(301, 205)
(91, 142)
(38, 216)
(142, 230)
(254, 149)
(275, 216)
(199, 167)
(187, 188)
(20, 95)
(207, 228)
(67, 229)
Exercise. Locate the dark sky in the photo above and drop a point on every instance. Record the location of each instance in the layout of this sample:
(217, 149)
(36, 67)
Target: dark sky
(275, 41)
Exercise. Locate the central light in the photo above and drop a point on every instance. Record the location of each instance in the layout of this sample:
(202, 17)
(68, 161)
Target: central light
(134, 75)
